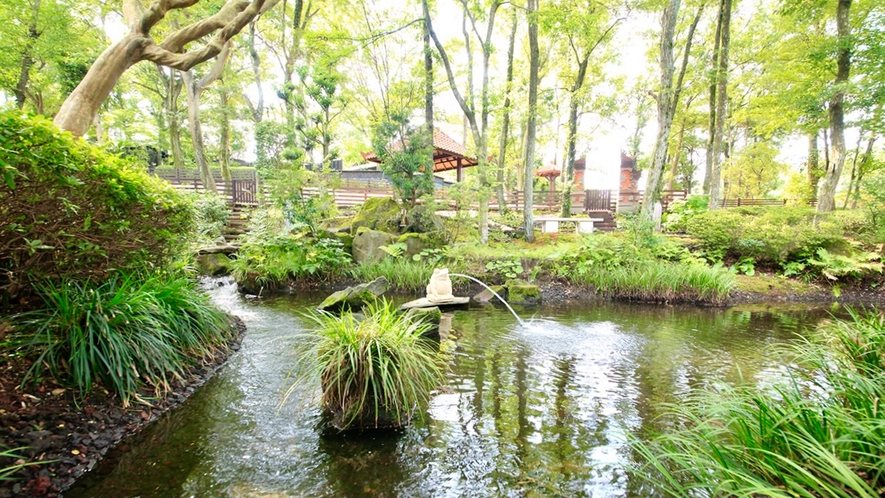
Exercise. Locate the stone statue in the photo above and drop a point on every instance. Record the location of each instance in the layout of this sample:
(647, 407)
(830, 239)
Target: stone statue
(439, 290)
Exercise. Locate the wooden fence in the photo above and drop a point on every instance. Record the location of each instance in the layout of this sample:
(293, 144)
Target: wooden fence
(242, 190)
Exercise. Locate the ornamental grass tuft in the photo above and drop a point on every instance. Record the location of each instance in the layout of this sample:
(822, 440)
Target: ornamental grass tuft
(124, 333)
(819, 432)
(374, 371)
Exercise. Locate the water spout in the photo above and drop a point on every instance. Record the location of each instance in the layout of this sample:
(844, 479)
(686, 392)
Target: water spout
(480, 282)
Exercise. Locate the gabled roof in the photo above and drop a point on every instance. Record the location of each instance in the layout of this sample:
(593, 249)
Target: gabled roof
(446, 153)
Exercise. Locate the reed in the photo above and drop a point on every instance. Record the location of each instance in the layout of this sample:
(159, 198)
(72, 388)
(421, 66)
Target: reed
(373, 371)
(404, 275)
(661, 281)
(819, 432)
(124, 333)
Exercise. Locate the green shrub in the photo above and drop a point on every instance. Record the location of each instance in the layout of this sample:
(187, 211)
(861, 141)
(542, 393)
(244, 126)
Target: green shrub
(679, 212)
(68, 209)
(211, 213)
(373, 371)
(272, 256)
(817, 432)
(123, 333)
(770, 235)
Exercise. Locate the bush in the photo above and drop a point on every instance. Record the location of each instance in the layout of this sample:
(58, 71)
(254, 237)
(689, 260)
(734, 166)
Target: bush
(211, 213)
(271, 256)
(817, 432)
(373, 372)
(67, 209)
(770, 235)
(122, 333)
(680, 212)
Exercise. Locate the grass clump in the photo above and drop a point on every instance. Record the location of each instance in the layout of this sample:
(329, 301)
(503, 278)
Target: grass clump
(663, 281)
(404, 274)
(374, 371)
(818, 432)
(124, 333)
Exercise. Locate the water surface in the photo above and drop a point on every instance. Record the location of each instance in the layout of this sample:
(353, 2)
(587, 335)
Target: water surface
(543, 409)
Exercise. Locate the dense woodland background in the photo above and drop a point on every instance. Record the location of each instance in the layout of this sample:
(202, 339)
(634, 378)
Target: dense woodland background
(709, 93)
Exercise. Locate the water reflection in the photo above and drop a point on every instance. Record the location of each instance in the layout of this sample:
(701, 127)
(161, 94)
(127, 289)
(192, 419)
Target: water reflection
(537, 410)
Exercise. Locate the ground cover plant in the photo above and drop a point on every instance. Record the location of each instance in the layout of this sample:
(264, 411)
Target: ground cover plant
(819, 431)
(124, 333)
(373, 371)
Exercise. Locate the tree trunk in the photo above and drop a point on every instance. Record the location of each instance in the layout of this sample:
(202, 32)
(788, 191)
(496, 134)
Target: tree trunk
(665, 108)
(862, 169)
(81, 106)
(813, 165)
(708, 167)
(505, 120)
(529, 166)
(721, 102)
(193, 118)
(225, 136)
(674, 164)
(827, 194)
(257, 109)
(570, 154)
(428, 75)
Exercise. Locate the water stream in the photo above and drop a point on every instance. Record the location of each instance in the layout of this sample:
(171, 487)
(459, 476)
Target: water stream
(543, 409)
(480, 282)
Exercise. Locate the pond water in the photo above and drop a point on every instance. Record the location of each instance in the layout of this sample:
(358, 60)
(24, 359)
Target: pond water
(544, 409)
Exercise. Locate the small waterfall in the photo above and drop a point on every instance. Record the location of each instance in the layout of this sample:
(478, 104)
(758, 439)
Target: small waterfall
(480, 282)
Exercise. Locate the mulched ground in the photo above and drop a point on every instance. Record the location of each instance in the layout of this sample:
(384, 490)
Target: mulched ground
(70, 435)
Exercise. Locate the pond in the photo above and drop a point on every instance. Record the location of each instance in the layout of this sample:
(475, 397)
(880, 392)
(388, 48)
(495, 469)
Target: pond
(544, 409)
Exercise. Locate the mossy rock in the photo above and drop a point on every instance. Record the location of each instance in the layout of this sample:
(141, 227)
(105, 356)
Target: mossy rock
(415, 243)
(522, 292)
(378, 213)
(366, 246)
(486, 296)
(214, 264)
(354, 298)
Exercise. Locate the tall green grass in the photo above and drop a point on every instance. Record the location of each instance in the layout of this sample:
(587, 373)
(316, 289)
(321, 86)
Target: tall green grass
(404, 275)
(124, 333)
(820, 432)
(660, 281)
(373, 371)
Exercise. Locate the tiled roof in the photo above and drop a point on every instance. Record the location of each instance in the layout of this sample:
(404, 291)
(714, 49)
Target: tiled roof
(447, 152)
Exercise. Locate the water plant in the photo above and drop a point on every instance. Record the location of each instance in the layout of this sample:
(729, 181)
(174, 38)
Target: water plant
(818, 432)
(123, 333)
(373, 371)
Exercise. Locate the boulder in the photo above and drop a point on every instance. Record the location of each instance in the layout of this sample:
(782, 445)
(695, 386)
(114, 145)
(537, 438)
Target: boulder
(346, 239)
(486, 295)
(415, 243)
(214, 264)
(377, 213)
(522, 292)
(355, 297)
(367, 243)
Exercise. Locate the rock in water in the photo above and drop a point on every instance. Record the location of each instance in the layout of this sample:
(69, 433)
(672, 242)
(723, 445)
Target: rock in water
(355, 297)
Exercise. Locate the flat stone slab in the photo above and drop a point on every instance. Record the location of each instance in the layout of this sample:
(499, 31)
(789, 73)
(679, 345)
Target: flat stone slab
(426, 303)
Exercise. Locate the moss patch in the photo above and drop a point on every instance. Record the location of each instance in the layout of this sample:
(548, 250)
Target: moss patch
(770, 285)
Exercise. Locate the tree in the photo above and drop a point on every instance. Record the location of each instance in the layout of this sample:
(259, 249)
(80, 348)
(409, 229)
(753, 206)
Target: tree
(195, 89)
(826, 197)
(534, 81)
(43, 43)
(723, 31)
(584, 29)
(81, 106)
(405, 151)
(478, 125)
(667, 97)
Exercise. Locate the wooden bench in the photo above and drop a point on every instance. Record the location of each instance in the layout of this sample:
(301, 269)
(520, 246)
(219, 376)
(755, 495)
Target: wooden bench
(582, 225)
